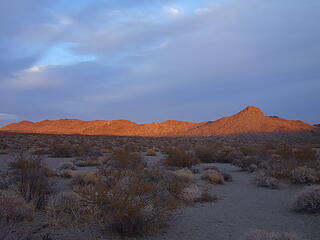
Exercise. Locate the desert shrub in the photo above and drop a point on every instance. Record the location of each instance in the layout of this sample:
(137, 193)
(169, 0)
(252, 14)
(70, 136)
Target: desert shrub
(252, 168)
(38, 151)
(106, 150)
(206, 197)
(88, 161)
(284, 151)
(4, 151)
(213, 177)
(67, 166)
(305, 155)
(303, 175)
(133, 201)
(64, 206)
(85, 178)
(83, 149)
(151, 152)
(246, 162)
(205, 154)
(267, 235)
(308, 200)
(13, 207)
(126, 159)
(210, 154)
(192, 192)
(279, 168)
(67, 173)
(30, 178)
(179, 157)
(61, 150)
(248, 150)
(266, 181)
(184, 174)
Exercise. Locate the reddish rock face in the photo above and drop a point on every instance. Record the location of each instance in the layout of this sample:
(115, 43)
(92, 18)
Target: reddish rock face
(249, 120)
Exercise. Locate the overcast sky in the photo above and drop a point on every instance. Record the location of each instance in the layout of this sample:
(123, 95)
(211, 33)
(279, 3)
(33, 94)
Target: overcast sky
(153, 60)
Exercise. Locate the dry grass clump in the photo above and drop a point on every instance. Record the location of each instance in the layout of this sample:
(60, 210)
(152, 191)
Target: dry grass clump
(30, 178)
(4, 151)
(305, 155)
(178, 157)
(267, 182)
(85, 178)
(61, 150)
(215, 153)
(65, 149)
(308, 201)
(67, 166)
(151, 152)
(13, 207)
(205, 154)
(304, 175)
(67, 173)
(127, 159)
(65, 207)
(213, 177)
(206, 197)
(267, 235)
(248, 150)
(134, 201)
(88, 161)
(184, 173)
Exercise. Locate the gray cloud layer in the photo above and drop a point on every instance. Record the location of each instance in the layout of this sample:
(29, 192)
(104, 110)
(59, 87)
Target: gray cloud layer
(152, 67)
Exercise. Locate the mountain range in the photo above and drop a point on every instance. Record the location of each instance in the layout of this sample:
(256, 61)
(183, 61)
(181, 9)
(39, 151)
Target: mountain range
(248, 121)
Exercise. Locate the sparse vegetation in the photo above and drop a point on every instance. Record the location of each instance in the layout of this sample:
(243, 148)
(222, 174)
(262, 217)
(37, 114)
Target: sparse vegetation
(308, 201)
(120, 192)
(30, 178)
(303, 175)
(213, 176)
(178, 157)
(151, 152)
(266, 181)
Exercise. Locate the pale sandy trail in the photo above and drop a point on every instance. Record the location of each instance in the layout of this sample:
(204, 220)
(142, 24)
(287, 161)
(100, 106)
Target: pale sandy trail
(242, 207)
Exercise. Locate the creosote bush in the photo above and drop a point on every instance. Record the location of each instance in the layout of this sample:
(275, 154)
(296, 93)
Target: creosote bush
(303, 175)
(126, 159)
(267, 182)
(213, 176)
(178, 157)
(13, 207)
(64, 207)
(134, 201)
(30, 178)
(62, 150)
(308, 200)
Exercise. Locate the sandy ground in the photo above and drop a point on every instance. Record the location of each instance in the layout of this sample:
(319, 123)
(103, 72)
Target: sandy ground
(241, 207)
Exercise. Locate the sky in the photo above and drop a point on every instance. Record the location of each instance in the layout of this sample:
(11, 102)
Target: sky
(153, 60)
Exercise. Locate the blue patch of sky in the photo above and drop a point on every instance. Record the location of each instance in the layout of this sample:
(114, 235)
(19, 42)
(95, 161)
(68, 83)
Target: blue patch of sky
(62, 54)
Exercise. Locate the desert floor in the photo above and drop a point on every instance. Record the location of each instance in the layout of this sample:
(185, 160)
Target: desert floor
(241, 207)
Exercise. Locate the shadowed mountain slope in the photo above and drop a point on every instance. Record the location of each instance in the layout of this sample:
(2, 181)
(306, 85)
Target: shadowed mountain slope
(250, 120)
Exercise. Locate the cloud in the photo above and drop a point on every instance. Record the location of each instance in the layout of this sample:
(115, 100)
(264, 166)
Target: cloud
(7, 116)
(173, 11)
(128, 56)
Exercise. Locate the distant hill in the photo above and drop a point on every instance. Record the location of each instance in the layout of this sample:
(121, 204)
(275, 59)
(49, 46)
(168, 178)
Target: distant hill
(317, 125)
(248, 121)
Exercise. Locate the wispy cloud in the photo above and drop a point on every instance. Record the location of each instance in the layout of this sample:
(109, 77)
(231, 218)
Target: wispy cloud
(7, 116)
